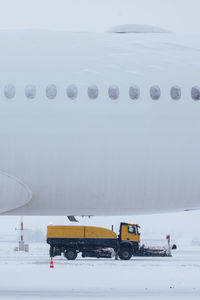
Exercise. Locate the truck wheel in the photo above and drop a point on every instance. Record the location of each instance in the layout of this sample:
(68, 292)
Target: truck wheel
(125, 253)
(70, 254)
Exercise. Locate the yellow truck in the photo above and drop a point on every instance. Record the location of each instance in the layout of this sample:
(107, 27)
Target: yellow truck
(93, 241)
(99, 242)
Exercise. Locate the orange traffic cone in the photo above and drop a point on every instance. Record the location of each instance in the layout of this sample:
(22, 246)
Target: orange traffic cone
(51, 263)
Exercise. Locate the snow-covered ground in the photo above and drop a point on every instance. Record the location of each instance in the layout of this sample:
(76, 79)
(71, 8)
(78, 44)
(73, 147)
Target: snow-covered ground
(28, 276)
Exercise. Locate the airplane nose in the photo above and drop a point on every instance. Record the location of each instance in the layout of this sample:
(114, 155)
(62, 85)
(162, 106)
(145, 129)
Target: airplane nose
(13, 193)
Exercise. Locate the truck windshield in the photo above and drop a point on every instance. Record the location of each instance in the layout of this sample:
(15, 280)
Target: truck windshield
(132, 229)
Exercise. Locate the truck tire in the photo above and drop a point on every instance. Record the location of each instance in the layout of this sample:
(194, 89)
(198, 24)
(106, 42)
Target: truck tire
(70, 254)
(125, 253)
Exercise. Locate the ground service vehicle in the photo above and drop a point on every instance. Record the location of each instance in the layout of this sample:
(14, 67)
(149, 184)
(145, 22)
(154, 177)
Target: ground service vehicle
(93, 241)
(99, 242)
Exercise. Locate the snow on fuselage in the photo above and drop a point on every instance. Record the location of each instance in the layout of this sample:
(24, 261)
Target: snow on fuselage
(103, 153)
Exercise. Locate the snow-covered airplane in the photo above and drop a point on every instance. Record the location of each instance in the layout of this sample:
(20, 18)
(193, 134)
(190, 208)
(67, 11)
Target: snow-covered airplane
(99, 124)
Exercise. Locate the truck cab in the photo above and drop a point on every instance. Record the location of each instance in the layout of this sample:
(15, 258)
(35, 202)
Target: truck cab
(129, 239)
(129, 232)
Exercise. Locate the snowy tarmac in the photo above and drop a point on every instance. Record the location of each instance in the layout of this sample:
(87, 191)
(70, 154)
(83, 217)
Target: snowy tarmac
(28, 276)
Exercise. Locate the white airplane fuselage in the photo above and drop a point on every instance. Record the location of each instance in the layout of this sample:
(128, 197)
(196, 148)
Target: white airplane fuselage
(98, 156)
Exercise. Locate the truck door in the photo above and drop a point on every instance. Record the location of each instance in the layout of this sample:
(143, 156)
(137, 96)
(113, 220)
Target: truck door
(132, 233)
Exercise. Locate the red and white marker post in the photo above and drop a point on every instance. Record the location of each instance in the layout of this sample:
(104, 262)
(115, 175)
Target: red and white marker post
(22, 228)
(21, 242)
(169, 246)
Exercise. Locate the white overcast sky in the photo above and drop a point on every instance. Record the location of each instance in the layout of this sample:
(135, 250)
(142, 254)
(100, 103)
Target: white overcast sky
(99, 15)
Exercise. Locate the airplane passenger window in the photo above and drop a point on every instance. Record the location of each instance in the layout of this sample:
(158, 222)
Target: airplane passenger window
(51, 91)
(195, 93)
(93, 91)
(9, 91)
(30, 91)
(155, 92)
(113, 92)
(134, 92)
(72, 91)
(175, 93)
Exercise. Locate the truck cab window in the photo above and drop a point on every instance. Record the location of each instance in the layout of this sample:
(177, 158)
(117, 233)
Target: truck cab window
(131, 229)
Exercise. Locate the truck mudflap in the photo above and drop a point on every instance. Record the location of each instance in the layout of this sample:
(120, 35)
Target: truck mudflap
(152, 251)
